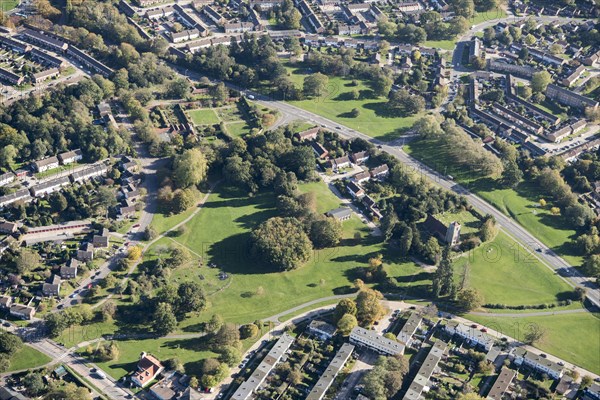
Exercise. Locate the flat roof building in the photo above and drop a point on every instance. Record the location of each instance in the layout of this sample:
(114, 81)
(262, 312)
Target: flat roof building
(501, 384)
(374, 341)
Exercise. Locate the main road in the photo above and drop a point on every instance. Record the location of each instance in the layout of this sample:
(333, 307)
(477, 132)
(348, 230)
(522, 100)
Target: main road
(530, 246)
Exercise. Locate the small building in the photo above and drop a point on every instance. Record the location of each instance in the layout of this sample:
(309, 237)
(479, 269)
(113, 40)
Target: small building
(8, 227)
(42, 76)
(309, 134)
(319, 150)
(46, 164)
(7, 178)
(453, 233)
(148, 368)
(70, 157)
(52, 289)
(19, 195)
(374, 341)
(340, 214)
(22, 311)
(321, 329)
(127, 211)
(5, 302)
(69, 271)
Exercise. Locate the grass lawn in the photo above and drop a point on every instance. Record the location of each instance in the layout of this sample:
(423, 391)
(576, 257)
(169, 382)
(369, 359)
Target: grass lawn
(488, 16)
(305, 309)
(190, 352)
(237, 129)
(336, 105)
(522, 203)
(8, 5)
(203, 116)
(220, 234)
(27, 357)
(572, 337)
(162, 222)
(440, 44)
(504, 273)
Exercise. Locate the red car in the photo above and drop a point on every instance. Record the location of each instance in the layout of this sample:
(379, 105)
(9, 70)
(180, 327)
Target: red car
(474, 326)
(483, 330)
(136, 226)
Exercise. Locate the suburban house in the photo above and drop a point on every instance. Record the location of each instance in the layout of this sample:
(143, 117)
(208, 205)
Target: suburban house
(101, 241)
(380, 172)
(321, 329)
(148, 369)
(87, 253)
(69, 271)
(361, 177)
(340, 162)
(333, 369)
(374, 341)
(359, 158)
(341, 213)
(45, 164)
(541, 364)
(89, 173)
(22, 311)
(44, 75)
(70, 157)
(52, 289)
(355, 191)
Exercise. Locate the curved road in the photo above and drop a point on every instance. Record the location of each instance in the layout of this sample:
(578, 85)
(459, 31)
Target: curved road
(530, 247)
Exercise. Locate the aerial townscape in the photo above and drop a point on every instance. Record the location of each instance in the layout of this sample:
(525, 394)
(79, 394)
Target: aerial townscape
(299, 199)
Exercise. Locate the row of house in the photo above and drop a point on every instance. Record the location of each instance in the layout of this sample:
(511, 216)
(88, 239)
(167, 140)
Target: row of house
(53, 185)
(65, 158)
(569, 98)
(372, 340)
(247, 389)
(60, 46)
(421, 382)
(333, 369)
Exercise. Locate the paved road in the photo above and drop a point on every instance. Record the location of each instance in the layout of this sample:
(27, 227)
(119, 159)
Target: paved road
(530, 247)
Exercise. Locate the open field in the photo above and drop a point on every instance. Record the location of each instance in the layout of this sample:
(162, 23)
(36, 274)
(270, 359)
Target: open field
(506, 274)
(522, 203)
(220, 234)
(27, 357)
(572, 337)
(190, 352)
(203, 116)
(336, 105)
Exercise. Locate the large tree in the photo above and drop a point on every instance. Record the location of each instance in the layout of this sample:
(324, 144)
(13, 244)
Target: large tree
(315, 85)
(368, 306)
(325, 232)
(163, 319)
(540, 81)
(282, 243)
(189, 168)
(469, 299)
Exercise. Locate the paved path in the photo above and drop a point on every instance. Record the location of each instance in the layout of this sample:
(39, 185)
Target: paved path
(528, 314)
(275, 318)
